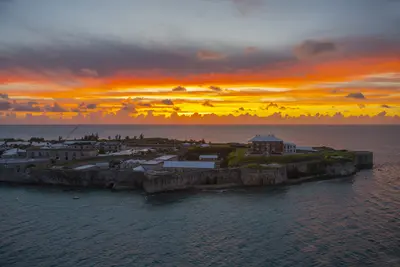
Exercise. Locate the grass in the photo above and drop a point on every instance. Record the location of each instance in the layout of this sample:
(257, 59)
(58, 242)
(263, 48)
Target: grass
(237, 158)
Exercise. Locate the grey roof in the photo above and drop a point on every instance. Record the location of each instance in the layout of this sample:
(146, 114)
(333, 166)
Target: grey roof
(265, 138)
(190, 164)
(165, 157)
(208, 157)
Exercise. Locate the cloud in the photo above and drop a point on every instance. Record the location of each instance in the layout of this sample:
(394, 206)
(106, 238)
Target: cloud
(3, 96)
(127, 108)
(5, 105)
(167, 102)
(270, 105)
(210, 55)
(215, 88)
(207, 103)
(250, 49)
(356, 96)
(89, 72)
(91, 106)
(386, 106)
(103, 58)
(26, 107)
(55, 108)
(361, 106)
(313, 48)
(241, 109)
(177, 108)
(179, 89)
(141, 104)
(248, 7)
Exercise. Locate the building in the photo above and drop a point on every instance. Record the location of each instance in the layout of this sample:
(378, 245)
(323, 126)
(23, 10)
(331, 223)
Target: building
(208, 157)
(289, 148)
(266, 144)
(157, 163)
(14, 153)
(62, 153)
(180, 166)
(80, 144)
(110, 146)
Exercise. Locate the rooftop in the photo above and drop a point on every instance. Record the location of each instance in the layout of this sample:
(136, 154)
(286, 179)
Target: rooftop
(21, 161)
(265, 138)
(208, 157)
(190, 164)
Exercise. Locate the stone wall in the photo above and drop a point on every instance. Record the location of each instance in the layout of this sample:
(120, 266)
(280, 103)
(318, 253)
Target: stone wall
(261, 177)
(90, 178)
(364, 159)
(187, 180)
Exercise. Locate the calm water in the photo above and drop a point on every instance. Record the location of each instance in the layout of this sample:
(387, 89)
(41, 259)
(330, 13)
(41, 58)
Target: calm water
(343, 222)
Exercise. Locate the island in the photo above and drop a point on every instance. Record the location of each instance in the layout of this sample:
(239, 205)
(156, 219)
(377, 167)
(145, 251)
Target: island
(160, 164)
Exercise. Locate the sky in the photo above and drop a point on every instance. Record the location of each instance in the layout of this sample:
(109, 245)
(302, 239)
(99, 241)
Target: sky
(200, 62)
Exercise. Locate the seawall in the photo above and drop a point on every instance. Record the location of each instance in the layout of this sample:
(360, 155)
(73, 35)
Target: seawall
(286, 174)
(113, 179)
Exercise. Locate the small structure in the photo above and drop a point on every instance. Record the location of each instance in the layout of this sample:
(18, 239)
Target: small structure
(208, 157)
(180, 166)
(266, 144)
(289, 148)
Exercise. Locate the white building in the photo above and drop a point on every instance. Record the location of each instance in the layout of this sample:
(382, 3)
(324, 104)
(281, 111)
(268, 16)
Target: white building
(157, 163)
(289, 148)
(14, 153)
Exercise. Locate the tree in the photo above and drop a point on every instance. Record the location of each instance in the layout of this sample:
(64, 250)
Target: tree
(127, 137)
(109, 137)
(141, 136)
(59, 138)
(135, 137)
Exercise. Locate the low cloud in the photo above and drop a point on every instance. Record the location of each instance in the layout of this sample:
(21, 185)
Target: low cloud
(4, 105)
(207, 103)
(241, 109)
(210, 55)
(3, 96)
(168, 102)
(356, 96)
(270, 105)
(141, 104)
(89, 72)
(27, 107)
(55, 108)
(313, 48)
(91, 106)
(215, 88)
(361, 106)
(386, 106)
(179, 89)
(177, 108)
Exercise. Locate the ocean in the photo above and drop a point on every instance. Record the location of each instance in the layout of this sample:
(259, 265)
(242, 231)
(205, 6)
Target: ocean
(342, 222)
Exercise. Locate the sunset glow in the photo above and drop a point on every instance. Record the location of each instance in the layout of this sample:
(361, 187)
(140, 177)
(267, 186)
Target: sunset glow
(110, 77)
